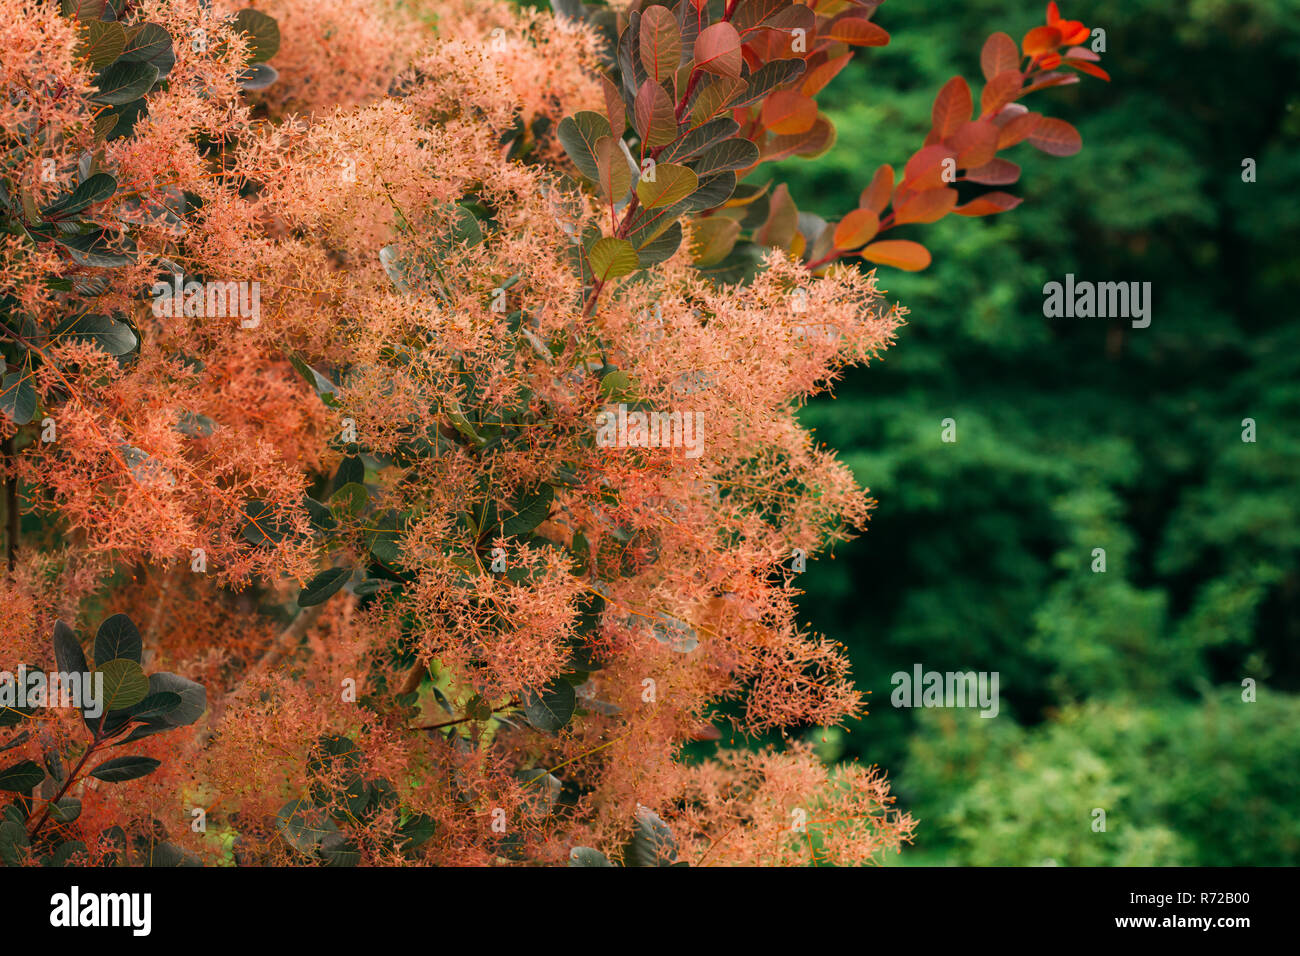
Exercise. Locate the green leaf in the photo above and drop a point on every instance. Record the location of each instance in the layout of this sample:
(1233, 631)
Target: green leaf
(541, 790)
(701, 138)
(302, 825)
(531, 509)
(264, 34)
(324, 586)
(553, 707)
(193, 702)
(728, 156)
(671, 184)
(65, 810)
(611, 258)
(385, 539)
(118, 637)
(154, 706)
(18, 397)
(102, 331)
(326, 389)
(121, 769)
(617, 386)
(125, 684)
(21, 777)
(124, 81)
(95, 248)
(416, 831)
(336, 849)
(13, 839)
(586, 856)
(150, 43)
(102, 42)
(63, 853)
(660, 247)
(265, 524)
(351, 471)
(652, 842)
(68, 655)
(676, 633)
(351, 499)
(578, 135)
(713, 191)
(768, 77)
(95, 189)
(258, 77)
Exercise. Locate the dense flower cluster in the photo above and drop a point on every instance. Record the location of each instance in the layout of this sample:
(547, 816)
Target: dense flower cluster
(412, 609)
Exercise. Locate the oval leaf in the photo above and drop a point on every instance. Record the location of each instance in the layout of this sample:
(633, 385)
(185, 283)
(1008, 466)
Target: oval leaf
(121, 769)
(324, 586)
(900, 253)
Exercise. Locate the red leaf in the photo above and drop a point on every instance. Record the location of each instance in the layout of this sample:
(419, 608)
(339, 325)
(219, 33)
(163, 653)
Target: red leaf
(975, 144)
(615, 111)
(1091, 69)
(818, 77)
(952, 107)
(787, 112)
(988, 204)
(925, 169)
(1056, 137)
(855, 32)
(876, 196)
(999, 172)
(900, 253)
(653, 111)
(856, 229)
(929, 206)
(1018, 129)
(1000, 91)
(661, 43)
(1040, 40)
(1000, 54)
(717, 50)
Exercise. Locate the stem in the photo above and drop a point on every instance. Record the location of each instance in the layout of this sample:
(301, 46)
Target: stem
(461, 720)
(72, 778)
(11, 499)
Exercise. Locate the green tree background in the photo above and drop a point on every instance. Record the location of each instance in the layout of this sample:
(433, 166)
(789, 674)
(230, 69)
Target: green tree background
(1120, 691)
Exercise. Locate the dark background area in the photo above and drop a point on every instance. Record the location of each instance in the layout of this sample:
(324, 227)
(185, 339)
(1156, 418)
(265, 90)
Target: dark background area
(1122, 690)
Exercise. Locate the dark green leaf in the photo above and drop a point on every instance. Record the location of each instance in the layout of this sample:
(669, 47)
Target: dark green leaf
(95, 189)
(121, 769)
(118, 637)
(125, 684)
(652, 842)
(530, 510)
(263, 31)
(18, 397)
(125, 81)
(578, 135)
(324, 586)
(21, 777)
(552, 708)
(586, 856)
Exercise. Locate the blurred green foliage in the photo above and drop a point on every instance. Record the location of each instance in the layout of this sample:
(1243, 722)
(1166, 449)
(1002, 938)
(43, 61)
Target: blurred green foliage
(1120, 690)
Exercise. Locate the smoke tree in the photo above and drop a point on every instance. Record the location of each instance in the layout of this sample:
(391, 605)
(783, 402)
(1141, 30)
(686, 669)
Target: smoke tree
(415, 394)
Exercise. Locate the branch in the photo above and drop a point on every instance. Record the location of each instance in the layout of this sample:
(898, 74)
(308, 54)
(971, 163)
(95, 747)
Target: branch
(12, 515)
